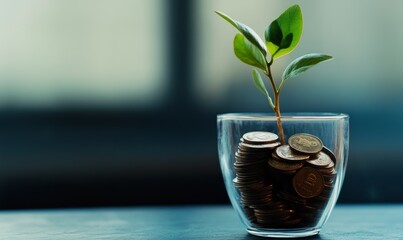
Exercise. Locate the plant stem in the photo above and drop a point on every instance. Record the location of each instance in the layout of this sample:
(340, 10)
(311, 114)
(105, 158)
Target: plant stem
(278, 116)
(276, 104)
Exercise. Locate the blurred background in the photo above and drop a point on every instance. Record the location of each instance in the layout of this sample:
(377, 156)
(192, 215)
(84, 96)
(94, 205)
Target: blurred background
(111, 103)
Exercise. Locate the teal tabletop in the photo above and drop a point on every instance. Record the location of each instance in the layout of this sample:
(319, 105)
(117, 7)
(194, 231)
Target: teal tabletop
(185, 222)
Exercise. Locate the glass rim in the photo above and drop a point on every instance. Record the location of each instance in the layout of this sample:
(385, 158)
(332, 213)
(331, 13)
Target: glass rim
(284, 116)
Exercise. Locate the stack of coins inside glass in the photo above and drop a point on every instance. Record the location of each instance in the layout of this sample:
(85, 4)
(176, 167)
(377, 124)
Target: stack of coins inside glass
(283, 186)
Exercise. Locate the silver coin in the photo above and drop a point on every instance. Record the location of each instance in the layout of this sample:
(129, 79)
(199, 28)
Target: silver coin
(261, 146)
(260, 137)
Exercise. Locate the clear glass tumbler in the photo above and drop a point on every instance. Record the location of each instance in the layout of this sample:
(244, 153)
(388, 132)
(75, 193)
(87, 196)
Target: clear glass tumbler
(273, 196)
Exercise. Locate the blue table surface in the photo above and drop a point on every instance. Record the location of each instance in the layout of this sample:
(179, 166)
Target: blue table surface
(186, 222)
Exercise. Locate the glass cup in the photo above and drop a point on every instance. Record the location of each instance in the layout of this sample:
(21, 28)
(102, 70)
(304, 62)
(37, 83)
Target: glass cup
(274, 194)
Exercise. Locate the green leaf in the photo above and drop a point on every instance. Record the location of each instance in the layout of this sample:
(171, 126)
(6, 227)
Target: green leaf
(284, 33)
(286, 42)
(248, 32)
(248, 53)
(257, 79)
(274, 34)
(303, 63)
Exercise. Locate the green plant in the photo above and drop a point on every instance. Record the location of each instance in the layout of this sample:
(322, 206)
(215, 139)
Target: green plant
(282, 36)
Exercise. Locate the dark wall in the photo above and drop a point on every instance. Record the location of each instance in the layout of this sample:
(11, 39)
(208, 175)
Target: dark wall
(102, 158)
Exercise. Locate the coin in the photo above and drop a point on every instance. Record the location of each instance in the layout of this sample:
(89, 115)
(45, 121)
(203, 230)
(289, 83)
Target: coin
(286, 153)
(260, 146)
(276, 188)
(269, 214)
(330, 153)
(249, 185)
(259, 194)
(308, 182)
(327, 172)
(248, 164)
(249, 213)
(305, 143)
(321, 160)
(260, 137)
(285, 165)
(249, 161)
(291, 198)
(293, 222)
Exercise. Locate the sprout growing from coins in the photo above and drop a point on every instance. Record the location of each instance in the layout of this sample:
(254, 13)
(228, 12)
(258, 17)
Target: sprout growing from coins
(282, 36)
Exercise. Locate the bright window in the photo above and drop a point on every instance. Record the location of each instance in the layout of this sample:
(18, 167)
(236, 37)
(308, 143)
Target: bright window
(81, 52)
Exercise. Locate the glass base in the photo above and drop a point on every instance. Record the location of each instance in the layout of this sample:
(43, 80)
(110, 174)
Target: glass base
(283, 233)
(273, 195)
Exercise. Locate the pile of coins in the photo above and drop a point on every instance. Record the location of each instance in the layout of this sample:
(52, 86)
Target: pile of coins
(283, 186)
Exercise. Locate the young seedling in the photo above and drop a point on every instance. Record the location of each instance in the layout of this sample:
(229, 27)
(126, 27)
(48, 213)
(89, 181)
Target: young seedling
(282, 36)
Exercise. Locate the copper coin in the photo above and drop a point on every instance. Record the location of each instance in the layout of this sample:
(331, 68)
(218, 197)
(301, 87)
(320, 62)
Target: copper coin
(321, 160)
(305, 143)
(285, 152)
(308, 182)
(330, 153)
(285, 165)
(327, 172)
(260, 137)
(291, 197)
